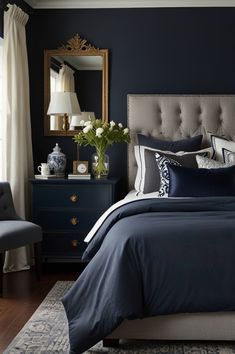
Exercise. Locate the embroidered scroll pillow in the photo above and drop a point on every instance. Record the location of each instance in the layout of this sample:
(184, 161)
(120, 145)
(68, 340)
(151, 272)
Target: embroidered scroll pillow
(163, 163)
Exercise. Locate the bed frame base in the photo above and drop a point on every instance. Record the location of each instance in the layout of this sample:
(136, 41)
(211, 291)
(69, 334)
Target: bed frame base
(212, 326)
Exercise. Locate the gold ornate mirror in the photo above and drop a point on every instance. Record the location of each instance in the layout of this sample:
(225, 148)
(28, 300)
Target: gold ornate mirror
(76, 67)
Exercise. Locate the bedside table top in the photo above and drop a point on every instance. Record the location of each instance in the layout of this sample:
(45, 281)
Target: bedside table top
(74, 181)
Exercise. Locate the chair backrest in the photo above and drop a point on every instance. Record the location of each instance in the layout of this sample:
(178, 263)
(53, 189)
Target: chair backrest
(7, 209)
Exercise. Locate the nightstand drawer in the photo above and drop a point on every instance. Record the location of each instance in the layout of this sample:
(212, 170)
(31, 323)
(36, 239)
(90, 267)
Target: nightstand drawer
(67, 244)
(68, 219)
(86, 196)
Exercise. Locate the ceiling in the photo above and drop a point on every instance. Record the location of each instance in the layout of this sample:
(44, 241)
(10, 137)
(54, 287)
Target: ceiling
(91, 4)
(83, 62)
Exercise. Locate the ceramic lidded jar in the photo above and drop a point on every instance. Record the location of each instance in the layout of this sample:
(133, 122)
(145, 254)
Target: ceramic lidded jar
(57, 161)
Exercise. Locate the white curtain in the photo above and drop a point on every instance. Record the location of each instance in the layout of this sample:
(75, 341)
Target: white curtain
(17, 142)
(66, 79)
(65, 83)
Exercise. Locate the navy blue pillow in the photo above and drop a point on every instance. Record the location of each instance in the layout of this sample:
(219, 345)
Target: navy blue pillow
(190, 144)
(201, 182)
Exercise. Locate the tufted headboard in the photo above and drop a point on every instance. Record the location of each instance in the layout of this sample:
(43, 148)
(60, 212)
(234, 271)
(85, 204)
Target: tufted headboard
(174, 117)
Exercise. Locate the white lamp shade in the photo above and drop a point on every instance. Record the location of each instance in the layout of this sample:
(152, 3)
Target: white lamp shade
(75, 121)
(64, 102)
(85, 116)
(88, 115)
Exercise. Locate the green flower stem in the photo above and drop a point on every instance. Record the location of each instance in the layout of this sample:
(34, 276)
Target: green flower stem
(100, 168)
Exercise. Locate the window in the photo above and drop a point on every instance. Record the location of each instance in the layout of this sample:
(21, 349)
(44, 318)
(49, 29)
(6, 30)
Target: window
(53, 86)
(1, 103)
(53, 80)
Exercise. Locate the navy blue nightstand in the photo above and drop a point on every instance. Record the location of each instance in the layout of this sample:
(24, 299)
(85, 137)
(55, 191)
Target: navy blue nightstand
(66, 210)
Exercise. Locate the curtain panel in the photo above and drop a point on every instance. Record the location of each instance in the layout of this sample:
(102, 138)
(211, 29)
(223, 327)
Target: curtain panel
(17, 142)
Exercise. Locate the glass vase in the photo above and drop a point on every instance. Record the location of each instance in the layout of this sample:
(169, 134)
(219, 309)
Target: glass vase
(100, 165)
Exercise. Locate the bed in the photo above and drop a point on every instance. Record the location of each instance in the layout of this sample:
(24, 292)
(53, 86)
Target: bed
(175, 117)
(169, 117)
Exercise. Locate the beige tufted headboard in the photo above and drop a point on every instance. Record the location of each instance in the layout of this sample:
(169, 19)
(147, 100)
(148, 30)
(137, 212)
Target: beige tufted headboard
(174, 117)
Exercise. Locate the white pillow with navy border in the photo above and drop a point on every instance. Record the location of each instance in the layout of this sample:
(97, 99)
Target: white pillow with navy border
(218, 144)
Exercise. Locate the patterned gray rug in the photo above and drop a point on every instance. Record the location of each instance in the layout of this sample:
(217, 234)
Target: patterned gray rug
(47, 332)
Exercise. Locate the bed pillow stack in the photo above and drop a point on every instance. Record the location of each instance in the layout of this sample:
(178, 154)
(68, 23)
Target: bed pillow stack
(214, 177)
(182, 151)
(167, 167)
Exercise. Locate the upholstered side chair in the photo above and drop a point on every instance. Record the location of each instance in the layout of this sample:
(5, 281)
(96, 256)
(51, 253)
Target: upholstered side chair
(16, 232)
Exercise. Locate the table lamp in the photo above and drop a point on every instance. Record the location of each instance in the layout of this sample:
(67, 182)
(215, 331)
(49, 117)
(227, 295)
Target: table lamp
(66, 104)
(84, 116)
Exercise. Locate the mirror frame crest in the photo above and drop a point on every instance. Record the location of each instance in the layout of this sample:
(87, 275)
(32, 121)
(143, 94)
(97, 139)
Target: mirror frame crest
(81, 47)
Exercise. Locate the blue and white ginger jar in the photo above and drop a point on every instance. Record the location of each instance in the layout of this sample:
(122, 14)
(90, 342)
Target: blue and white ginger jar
(57, 161)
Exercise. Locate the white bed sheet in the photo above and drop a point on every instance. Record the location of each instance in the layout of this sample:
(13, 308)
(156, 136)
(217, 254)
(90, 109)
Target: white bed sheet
(134, 194)
(131, 196)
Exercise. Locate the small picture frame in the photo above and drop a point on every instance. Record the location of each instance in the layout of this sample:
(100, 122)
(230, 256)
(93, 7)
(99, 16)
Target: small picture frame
(80, 167)
(75, 165)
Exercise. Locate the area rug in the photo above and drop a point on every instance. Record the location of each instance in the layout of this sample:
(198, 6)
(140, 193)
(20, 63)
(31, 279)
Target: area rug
(46, 332)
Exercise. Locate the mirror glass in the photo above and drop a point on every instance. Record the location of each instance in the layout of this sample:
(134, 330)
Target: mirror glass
(81, 68)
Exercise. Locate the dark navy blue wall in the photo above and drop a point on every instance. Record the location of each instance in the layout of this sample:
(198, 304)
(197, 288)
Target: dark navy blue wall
(88, 85)
(178, 50)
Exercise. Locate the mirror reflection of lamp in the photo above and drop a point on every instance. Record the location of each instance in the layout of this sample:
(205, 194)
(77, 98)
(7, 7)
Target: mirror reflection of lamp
(66, 104)
(84, 116)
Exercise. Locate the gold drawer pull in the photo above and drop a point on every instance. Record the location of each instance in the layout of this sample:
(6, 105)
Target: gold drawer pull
(74, 243)
(74, 220)
(74, 198)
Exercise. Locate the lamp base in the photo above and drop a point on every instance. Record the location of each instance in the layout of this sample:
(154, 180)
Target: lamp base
(65, 125)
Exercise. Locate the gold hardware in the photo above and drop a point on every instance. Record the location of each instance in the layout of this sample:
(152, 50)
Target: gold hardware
(74, 220)
(78, 43)
(74, 198)
(74, 243)
(65, 125)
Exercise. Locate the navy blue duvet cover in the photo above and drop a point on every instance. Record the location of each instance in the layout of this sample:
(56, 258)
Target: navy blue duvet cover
(150, 257)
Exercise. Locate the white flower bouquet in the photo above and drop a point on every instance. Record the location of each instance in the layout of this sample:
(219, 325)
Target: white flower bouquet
(101, 135)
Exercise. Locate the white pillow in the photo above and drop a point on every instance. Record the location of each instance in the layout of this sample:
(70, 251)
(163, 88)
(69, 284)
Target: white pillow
(147, 177)
(229, 156)
(218, 144)
(205, 162)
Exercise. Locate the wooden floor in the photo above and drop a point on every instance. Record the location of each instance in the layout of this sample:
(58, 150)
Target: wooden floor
(22, 294)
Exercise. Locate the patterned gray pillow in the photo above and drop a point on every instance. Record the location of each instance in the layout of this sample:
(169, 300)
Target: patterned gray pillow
(205, 162)
(163, 163)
